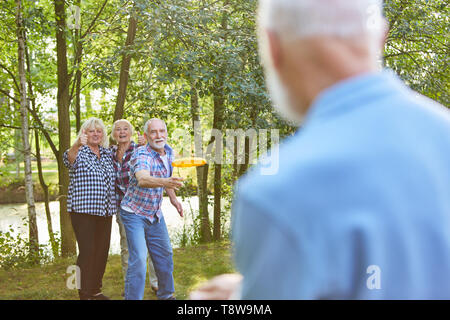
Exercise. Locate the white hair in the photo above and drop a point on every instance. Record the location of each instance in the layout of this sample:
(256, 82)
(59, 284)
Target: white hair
(147, 124)
(305, 18)
(121, 121)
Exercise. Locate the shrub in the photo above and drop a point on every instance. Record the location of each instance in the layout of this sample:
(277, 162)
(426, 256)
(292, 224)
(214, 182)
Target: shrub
(16, 253)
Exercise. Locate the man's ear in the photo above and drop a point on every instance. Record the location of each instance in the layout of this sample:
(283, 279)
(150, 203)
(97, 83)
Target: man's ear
(274, 45)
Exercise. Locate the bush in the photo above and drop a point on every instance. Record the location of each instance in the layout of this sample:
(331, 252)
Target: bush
(16, 253)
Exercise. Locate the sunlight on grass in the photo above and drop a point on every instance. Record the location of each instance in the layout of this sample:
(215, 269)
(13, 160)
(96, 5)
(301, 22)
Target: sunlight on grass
(193, 266)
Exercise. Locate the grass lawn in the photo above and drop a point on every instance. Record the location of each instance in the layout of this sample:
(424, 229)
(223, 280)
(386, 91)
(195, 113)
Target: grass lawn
(50, 173)
(192, 266)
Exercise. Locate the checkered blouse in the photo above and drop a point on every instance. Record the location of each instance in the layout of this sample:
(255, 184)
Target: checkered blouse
(92, 182)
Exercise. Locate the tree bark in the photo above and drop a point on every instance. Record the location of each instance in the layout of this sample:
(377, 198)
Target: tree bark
(38, 158)
(78, 87)
(218, 124)
(78, 55)
(219, 108)
(68, 244)
(125, 68)
(202, 172)
(29, 194)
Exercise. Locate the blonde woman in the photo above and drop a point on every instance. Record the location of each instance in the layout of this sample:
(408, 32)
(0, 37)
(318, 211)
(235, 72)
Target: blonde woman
(91, 203)
(121, 132)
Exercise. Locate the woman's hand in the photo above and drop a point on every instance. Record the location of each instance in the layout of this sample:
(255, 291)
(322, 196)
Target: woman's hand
(141, 140)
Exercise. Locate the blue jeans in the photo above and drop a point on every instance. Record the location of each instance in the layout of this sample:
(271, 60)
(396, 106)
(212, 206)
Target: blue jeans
(145, 237)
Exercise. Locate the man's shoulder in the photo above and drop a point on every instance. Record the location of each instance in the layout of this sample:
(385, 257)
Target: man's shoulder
(141, 151)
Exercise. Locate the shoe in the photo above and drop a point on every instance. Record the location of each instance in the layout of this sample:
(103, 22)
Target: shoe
(99, 296)
(82, 295)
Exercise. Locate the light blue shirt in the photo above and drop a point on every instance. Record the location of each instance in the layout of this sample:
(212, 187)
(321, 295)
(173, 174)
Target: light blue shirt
(360, 205)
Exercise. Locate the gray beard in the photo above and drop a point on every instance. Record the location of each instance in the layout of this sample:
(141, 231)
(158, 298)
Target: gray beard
(281, 101)
(157, 145)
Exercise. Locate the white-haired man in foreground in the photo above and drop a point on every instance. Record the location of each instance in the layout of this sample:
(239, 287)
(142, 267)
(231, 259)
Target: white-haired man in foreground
(360, 206)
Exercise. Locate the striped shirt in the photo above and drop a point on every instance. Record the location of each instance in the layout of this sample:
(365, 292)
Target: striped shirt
(92, 180)
(147, 201)
(123, 175)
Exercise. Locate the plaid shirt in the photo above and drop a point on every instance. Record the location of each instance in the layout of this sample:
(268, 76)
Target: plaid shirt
(122, 170)
(91, 187)
(147, 201)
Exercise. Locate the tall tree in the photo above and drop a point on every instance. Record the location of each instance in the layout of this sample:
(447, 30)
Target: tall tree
(202, 172)
(67, 235)
(32, 225)
(125, 67)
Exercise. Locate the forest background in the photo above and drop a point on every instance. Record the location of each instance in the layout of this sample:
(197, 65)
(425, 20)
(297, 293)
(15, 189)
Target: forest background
(192, 63)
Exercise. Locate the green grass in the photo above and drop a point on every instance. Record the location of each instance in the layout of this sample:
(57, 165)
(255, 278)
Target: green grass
(192, 266)
(49, 177)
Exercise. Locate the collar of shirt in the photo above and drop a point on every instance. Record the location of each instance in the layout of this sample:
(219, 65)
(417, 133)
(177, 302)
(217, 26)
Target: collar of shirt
(167, 148)
(87, 149)
(352, 93)
(156, 155)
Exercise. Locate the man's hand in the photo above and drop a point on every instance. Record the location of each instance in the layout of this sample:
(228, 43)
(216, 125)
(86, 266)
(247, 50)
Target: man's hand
(173, 183)
(178, 206)
(223, 287)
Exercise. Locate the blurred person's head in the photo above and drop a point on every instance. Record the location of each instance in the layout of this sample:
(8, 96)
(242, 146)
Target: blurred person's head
(155, 131)
(95, 131)
(307, 46)
(122, 131)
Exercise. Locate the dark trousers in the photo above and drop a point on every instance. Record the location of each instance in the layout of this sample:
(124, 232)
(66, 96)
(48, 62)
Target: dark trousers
(93, 235)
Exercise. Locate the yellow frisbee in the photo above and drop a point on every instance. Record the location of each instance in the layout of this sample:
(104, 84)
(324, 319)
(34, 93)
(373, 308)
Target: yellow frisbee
(189, 162)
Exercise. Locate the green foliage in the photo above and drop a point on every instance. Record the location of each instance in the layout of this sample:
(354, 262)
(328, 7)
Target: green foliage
(418, 45)
(206, 45)
(15, 251)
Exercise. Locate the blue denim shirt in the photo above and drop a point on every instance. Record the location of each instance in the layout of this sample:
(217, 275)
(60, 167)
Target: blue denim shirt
(359, 207)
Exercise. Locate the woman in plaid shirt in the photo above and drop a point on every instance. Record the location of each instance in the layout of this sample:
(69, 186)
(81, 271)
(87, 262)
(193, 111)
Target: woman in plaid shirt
(122, 131)
(91, 203)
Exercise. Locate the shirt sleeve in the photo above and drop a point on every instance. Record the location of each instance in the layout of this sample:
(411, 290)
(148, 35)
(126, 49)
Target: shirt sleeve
(66, 161)
(139, 161)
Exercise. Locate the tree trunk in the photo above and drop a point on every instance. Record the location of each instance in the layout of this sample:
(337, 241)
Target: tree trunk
(88, 98)
(18, 155)
(202, 172)
(78, 55)
(125, 68)
(68, 244)
(32, 225)
(244, 167)
(78, 89)
(218, 124)
(39, 160)
(46, 196)
(219, 108)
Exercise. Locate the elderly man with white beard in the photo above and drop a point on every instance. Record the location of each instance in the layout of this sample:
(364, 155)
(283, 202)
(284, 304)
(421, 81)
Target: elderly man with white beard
(140, 211)
(359, 208)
